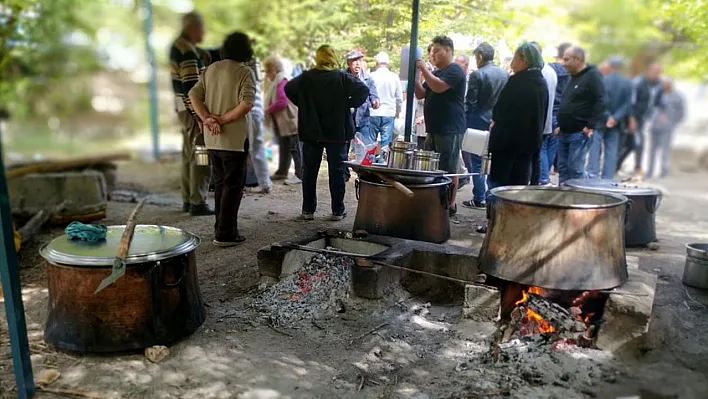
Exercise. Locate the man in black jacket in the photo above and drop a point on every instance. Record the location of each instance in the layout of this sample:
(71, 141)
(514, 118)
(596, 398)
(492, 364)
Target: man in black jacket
(605, 142)
(483, 89)
(646, 96)
(325, 96)
(581, 112)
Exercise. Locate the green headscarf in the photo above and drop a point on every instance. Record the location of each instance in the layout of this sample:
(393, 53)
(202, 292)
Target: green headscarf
(531, 54)
(326, 58)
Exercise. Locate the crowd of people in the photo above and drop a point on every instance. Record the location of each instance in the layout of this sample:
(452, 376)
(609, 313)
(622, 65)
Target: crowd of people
(569, 116)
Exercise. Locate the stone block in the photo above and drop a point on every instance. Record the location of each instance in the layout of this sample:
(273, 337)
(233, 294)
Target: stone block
(277, 261)
(374, 282)
(626, 318)
(81, 192)
(481, 303)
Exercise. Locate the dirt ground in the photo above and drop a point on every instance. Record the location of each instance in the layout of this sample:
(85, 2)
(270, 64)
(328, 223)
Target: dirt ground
(419, 351)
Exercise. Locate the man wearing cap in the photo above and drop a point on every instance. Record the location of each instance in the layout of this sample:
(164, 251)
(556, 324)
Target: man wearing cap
(618, 104)
(388, 88)
(187, 62)
(362, 115)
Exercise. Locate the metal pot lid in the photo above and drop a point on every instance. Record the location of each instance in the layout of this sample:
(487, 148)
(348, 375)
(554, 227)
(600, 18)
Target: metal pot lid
(612, 186)
(150, 243)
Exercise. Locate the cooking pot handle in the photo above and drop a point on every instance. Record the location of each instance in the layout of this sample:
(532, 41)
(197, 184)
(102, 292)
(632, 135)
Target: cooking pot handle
(653, 206)
(445, 193)
(183, 273)
(627, 209)
(356, 188)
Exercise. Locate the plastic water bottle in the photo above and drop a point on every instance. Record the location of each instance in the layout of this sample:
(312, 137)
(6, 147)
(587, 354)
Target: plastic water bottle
(269, 154)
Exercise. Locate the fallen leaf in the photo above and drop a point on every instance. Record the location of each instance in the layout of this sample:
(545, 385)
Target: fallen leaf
(47, 376)
(157, 353)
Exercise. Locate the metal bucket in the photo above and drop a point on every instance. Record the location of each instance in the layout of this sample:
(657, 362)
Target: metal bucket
(201, 157)
(695, 273)
(556, 238)
(426, 160)
(399, 158)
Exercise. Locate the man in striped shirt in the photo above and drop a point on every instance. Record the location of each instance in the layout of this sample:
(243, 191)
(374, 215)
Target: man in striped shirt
(187, 62)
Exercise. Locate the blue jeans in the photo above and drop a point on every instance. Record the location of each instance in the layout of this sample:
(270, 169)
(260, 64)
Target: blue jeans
(549, 148)
(473, 163)
(609, 140)
(382, 125)
(572, 151)
(311, 160)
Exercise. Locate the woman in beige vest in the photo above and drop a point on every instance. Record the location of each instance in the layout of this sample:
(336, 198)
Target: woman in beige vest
(281, 118)
(223, 99)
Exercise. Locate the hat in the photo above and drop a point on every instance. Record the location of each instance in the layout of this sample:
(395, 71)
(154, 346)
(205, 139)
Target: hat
(382, 58)
(354, 55)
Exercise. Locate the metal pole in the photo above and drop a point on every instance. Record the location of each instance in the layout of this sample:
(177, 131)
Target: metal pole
(152, 86)
(12, 291)
(413, 50)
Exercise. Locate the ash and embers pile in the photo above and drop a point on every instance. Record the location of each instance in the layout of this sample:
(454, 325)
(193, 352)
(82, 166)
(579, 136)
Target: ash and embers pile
(320, 287)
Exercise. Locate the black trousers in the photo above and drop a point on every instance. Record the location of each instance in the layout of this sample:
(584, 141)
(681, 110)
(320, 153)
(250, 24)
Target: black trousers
(290, 150)
(229, 178)
(312, 158)
(510, 169)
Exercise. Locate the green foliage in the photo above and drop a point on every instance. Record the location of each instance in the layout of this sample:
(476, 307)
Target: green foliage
(643, 30)
(294, 29)
(36, 61)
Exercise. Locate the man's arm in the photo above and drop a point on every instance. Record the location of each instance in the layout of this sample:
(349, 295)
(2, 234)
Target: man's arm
(597, 90)
(246, 99)
(292, 88)
(189, 73)
(356, 91)
(626, 104)
(472, 94)
(435, 84)
(373, 92)
(196, 98)
(420, 90)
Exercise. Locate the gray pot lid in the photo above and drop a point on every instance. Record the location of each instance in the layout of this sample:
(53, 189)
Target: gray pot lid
(150, 243)
(612, 186)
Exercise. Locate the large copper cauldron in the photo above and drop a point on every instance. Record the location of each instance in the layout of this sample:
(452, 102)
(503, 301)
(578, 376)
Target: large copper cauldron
(556, 238)
(156, 302)
(383, 210)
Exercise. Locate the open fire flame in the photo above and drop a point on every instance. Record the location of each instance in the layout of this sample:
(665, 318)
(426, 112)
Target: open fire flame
(540, 325)
(535, 323)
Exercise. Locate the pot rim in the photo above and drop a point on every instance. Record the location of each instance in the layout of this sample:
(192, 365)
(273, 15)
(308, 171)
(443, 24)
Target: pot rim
(697, 250)
(622, 200)
(56, 257)
(613, 186)
(444, 182)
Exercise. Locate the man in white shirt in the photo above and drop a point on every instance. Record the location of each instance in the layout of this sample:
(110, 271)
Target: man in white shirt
(388, 86)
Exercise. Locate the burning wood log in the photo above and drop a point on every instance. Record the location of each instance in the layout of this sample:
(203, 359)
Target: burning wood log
(542, 310)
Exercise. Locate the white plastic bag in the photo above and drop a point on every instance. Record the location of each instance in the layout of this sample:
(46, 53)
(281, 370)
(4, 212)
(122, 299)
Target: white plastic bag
(362, 151)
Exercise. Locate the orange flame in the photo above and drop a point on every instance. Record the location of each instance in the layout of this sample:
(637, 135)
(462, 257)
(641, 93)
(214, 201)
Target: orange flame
(541, 325)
